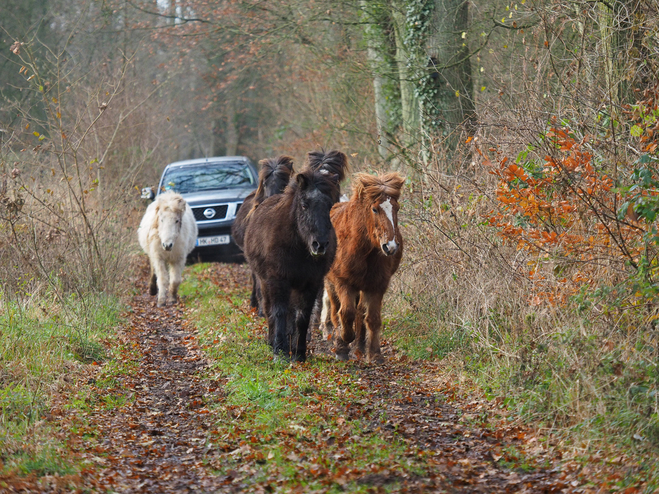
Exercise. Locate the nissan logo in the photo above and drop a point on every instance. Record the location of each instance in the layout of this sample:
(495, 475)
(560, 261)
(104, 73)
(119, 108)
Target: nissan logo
(209, 213)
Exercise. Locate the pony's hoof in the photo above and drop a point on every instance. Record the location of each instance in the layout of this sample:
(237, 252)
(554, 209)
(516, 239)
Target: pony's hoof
(172, 301)
(279, 357)
(375, 359)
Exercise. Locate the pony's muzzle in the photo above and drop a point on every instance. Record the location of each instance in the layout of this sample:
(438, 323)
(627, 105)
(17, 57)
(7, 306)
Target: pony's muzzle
(319, 248)
(390, 248)
(168, 246)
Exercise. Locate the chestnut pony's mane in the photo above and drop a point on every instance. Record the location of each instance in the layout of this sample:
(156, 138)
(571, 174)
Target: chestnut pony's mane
(372, 188)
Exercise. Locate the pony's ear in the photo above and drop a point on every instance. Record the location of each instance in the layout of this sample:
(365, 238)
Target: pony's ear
(302, 181)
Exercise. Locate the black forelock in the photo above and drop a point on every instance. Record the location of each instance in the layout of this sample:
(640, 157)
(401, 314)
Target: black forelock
(326, 183)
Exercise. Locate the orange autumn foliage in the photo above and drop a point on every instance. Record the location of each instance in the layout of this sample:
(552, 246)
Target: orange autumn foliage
(562, 214)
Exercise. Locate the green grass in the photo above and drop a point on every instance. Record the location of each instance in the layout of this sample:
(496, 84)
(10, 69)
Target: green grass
(44, 341)
(296, 420)
(596, 397)
(424, 337)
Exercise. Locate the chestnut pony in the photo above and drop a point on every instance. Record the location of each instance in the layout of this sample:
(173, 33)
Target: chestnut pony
(290, 245)
(369, 250)
(273, 178)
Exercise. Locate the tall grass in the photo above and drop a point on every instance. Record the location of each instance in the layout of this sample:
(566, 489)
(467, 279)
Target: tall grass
(68, 215)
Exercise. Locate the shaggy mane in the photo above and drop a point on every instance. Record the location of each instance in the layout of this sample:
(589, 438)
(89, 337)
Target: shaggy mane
(172, 201)
(281, 166)
(329, 162)
(374, 187)
(168, 201)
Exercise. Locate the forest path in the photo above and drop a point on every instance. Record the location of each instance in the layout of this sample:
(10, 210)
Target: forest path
(179, 431)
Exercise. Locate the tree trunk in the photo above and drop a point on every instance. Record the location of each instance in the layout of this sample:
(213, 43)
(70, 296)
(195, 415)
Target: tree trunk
(386, 90)
(449, 69)
(409, 101)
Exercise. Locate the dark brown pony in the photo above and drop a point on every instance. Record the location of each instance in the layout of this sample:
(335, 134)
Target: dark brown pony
(369, 250)
(273, 178)
(330, 162)
(290, 245)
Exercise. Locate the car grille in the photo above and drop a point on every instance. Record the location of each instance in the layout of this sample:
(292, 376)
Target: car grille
(220, 212)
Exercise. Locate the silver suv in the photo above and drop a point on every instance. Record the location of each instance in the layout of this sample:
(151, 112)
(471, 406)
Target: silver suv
(215, 188)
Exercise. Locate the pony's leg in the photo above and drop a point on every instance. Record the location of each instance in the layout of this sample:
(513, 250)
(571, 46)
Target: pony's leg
(316, 313)
(360, 331)
(259, 298)
(253, 299)
(265, 301)
(175, 277)
(279, 295)
(162, 276)
(153, 283)
(302, 320)
(373, 305)
(347, 315)
(326, 315)
(333, 312)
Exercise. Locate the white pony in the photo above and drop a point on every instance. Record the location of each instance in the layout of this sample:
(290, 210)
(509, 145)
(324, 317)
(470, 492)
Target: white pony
(167, 233)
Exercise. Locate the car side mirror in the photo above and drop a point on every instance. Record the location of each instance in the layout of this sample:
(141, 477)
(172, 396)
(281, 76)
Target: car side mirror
(148, 193)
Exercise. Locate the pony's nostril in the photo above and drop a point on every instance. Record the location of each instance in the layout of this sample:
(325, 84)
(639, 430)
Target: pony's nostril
(385, 248)
(319, 248)
(167, 246)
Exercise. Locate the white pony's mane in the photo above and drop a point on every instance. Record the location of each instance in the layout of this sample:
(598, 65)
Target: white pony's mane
(169, 201)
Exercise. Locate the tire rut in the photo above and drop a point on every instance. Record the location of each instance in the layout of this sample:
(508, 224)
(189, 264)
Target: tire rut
(157, 443)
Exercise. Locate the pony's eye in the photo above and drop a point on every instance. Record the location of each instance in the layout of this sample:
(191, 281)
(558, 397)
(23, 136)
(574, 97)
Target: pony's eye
(305, 206)
(374, 210)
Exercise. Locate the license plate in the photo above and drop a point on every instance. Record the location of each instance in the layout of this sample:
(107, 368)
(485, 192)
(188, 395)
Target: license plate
(217, 240)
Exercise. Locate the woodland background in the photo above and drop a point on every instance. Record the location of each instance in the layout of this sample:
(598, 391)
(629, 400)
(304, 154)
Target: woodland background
(527, 131)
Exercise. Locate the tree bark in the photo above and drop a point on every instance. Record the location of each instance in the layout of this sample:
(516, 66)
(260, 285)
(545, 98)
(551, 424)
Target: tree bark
(449, 68)
(386, 94)
(411, 118)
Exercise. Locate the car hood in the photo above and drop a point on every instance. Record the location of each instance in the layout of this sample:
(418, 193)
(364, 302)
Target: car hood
(217, 196)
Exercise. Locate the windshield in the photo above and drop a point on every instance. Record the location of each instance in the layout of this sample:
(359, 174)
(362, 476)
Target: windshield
(207, 176)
